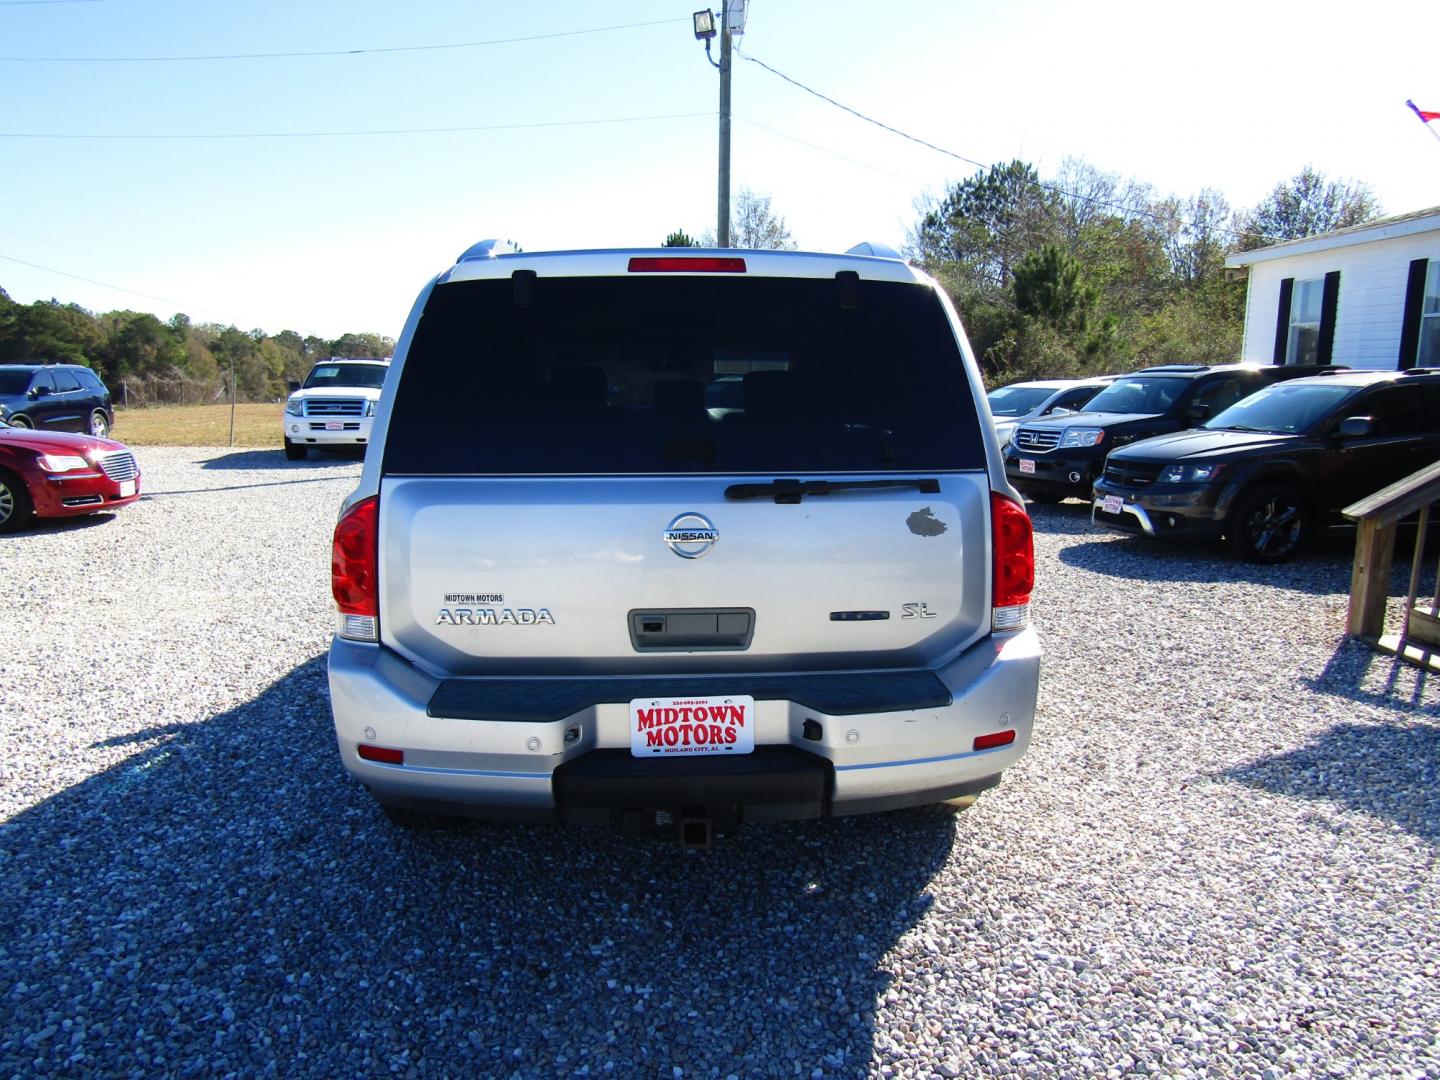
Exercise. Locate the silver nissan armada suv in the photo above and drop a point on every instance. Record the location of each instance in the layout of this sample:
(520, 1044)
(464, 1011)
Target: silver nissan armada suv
(680, 539)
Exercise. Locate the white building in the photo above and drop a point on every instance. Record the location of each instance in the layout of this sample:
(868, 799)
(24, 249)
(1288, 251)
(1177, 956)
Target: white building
(1365, 297)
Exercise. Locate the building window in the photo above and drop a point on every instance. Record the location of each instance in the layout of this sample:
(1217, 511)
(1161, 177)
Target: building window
(1303, 344)
(1428, 354)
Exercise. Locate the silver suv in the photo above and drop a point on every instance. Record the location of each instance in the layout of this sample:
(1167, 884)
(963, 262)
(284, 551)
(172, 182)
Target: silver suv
(573, 588)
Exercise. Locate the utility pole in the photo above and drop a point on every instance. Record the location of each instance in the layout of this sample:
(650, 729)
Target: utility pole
(722, 209)
(732, 24)
(232, 398)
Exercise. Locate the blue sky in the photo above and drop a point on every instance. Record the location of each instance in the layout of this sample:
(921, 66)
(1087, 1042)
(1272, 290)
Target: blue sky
(326, 234)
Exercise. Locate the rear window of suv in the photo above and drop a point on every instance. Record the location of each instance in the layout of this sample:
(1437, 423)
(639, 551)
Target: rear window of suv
(608, 375)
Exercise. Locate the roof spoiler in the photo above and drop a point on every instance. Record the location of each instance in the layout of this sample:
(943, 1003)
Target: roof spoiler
(876, 251)
(489, 249)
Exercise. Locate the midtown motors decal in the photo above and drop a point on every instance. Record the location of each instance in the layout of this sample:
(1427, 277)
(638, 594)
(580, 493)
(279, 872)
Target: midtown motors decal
(691, 726)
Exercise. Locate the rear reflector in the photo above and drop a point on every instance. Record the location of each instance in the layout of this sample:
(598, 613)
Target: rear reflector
(683, 265)
(386, 755)
(994, 739)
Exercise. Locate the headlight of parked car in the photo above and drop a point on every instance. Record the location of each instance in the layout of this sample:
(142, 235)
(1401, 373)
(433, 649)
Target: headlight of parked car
(1189, 474)
(1082, 436)
(62, 463)
(295, 407)
(370, 408)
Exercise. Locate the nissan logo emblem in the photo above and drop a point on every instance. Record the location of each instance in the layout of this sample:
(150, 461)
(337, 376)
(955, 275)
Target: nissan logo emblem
(691, 535)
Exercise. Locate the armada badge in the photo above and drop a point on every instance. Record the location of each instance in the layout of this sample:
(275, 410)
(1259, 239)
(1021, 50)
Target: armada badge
(691, 535)
(462, 616)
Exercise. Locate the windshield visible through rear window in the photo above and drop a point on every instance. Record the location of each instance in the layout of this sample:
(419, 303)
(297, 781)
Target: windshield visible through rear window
(324, 376)
(682, 375)
(1018, 400)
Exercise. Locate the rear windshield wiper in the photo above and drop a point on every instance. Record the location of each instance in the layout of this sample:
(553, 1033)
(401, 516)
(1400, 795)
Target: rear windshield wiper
(792, 491)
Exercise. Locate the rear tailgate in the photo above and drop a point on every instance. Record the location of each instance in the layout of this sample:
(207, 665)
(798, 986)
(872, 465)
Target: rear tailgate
(489, 575)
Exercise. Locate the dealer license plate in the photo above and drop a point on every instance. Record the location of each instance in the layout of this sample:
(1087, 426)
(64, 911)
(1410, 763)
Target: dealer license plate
(334, 425)
(1026, 465)
(692, 727)
(127, 488)
(1112, 504)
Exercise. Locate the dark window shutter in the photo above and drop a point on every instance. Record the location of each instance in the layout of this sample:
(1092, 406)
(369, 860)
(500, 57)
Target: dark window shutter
(1282, 320)
(1410, 327)
(1329, 299)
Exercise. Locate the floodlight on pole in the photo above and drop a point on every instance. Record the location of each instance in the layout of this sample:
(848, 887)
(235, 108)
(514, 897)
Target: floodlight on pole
(704, 25)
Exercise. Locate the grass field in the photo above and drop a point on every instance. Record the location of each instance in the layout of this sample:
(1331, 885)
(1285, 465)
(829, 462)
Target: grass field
(199, 425)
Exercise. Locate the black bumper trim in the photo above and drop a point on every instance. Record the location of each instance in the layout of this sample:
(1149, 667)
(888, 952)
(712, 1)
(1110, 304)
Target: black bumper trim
(773, 783)
(545, 700)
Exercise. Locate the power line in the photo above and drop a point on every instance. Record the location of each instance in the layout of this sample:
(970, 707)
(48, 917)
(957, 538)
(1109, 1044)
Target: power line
(368, 131)
(106, 285)
(831, 153)
(1128, 210)
(329, 52)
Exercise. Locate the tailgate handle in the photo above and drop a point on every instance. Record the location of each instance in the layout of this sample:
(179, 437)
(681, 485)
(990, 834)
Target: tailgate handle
(691, 629)
(792, 491)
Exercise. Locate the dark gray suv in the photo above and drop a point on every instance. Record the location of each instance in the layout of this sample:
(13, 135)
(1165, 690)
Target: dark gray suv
(55, 397)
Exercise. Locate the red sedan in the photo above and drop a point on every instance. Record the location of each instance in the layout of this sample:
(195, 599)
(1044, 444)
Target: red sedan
(57, 474)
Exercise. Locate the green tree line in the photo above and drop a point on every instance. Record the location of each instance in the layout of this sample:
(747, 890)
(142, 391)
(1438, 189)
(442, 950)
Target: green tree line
(1085, 272)
(146, 361)
(1076, 274)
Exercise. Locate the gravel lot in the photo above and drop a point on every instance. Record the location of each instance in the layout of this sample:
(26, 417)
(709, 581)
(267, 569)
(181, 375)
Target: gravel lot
(1219, 857)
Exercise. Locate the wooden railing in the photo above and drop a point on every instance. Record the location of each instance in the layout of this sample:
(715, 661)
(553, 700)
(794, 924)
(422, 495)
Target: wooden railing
(1377, 516)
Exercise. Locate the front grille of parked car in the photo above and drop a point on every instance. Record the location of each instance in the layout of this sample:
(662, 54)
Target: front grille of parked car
(1130, 474)
(1036, 439)
(119, 466)
(335, 407)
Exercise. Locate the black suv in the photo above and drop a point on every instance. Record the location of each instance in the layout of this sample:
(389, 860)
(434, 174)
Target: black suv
(1050, 459)
(1271, 468)
(55, 397)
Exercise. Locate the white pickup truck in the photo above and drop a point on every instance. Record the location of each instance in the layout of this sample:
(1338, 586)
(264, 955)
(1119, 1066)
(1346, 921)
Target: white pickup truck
(334, 406)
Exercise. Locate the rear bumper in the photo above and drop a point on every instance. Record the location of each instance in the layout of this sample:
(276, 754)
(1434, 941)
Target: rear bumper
(578, 768)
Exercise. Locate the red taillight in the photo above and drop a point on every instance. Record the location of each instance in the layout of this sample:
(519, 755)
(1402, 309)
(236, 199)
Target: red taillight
(386, 755)
(353, 560)
(1013, 541)
(687, 265)
(994, 739)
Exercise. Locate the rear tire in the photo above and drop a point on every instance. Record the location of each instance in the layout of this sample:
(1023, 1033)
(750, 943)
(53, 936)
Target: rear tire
(295, 451)
(16, 509)
(948, 808)
(99, 424)
(1269, 524)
